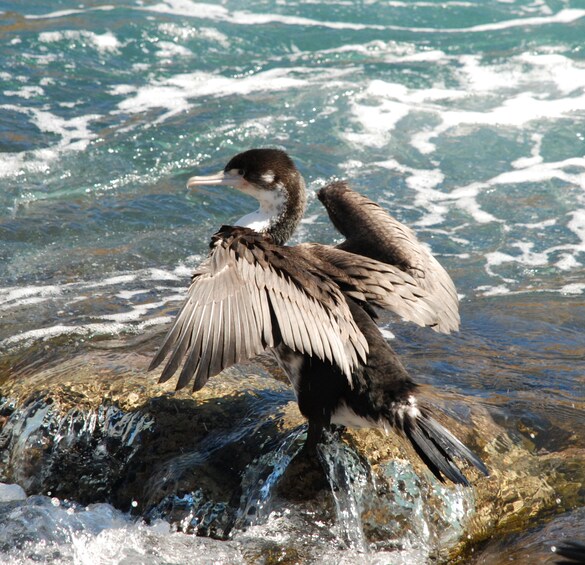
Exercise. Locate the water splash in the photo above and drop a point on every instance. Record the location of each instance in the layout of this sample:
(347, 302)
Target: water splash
(44, 449)
(349, 477)
(261, 478)
(41, 529)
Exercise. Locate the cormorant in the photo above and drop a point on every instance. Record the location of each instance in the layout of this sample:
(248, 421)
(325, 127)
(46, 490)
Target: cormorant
(312, 305)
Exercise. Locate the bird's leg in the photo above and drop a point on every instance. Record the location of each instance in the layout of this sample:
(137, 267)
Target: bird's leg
(304, 476)
(314, 435)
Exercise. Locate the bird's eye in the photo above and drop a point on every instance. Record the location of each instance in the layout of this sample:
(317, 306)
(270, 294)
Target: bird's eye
(241, 172)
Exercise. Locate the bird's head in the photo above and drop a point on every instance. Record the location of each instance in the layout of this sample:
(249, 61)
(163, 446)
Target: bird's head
(271, 177)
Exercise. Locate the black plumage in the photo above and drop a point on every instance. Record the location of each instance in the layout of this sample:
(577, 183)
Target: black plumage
(572, 551)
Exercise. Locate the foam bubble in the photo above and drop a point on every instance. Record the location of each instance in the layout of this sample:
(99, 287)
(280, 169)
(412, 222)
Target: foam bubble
(577, 222)
(535, 156)
(442, 5)
(567, 262)
(563, 17)
(189, 8)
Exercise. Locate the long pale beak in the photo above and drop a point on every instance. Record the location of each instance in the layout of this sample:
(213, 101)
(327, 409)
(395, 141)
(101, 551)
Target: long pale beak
(223, 178)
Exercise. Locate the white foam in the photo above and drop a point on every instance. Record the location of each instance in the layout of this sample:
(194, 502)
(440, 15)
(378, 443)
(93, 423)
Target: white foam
(11, 294)
(26, 92)
(129, 294)
(441, 5)
(567, 262)
(140, 310)
(577, 222)
(106, 42)
(561, 17)
(378, 122)
(533, 87)
(178, 273)
(573, 288)
(212, 34)
(493, 290)
(67, 13)
(242, 17)
(99, 534)
(386, 333)
(83, 330)
(189, 8)
(466, 197)
(535, 156)
(130, 316)
(186, 32)
(170, 50)
(115, 280)
(568, 253)
(423, 182)
(175, 93)
(567, 74)
(74, 133)
(525, 89)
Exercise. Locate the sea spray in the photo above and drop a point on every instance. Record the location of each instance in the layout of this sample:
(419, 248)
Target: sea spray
(261, 478)
(349, 477)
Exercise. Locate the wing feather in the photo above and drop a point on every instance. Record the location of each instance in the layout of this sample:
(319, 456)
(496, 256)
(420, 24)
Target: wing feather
(372, 233)
(251, 294)
(229, 341)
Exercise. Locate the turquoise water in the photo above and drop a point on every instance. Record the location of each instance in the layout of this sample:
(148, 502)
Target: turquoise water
(465, 119)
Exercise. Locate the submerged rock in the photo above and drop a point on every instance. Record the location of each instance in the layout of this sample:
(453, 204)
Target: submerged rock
(97, 428)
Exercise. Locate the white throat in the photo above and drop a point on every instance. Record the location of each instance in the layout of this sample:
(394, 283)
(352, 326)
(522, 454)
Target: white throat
(258, 221)
(272, 204)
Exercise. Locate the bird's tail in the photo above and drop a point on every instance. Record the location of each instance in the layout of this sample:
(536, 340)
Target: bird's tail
(573, 551)
(434, 443)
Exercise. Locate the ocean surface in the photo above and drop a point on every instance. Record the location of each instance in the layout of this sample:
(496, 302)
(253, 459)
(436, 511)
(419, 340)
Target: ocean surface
(465, 119)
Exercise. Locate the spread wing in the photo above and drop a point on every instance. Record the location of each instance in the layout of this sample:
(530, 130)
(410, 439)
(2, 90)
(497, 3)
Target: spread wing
(371, 232)
(380, 284)
(250, 295)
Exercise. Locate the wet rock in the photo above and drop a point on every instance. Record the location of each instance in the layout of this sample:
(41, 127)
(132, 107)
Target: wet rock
(9, 493)
(96, 427)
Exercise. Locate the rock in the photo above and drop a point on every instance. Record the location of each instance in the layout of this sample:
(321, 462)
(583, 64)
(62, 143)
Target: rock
(8, 493)
(95, 427)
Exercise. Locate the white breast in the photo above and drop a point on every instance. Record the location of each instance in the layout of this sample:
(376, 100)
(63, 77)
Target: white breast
(345, 416)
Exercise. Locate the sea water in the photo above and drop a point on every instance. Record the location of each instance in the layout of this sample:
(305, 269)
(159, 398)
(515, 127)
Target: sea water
(465, 119)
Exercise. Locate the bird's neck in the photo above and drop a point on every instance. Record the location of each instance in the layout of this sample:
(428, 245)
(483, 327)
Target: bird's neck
(279, 214)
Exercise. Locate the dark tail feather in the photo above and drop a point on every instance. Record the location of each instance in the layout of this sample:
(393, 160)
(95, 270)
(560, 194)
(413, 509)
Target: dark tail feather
(435, 445)
(574, 551)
